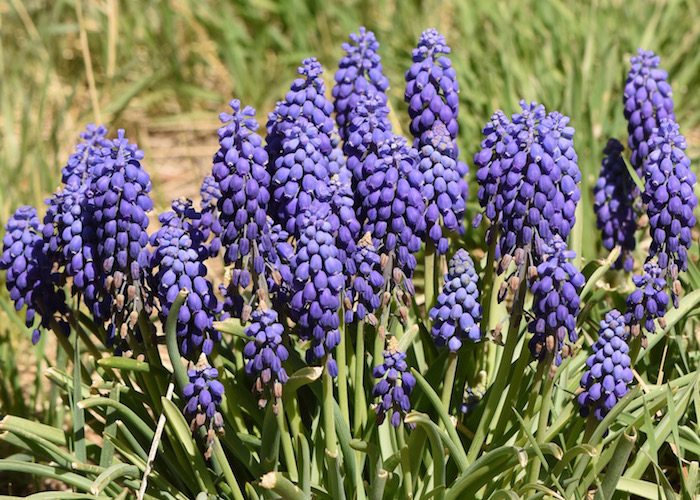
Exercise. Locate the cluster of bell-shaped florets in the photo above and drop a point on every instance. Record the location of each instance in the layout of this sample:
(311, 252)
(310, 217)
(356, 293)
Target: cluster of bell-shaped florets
(300, 147)
(608, 370)
(178, 262)
(203, 394)
(555, 303)
(395, 385)
(648, 301)
(670, 198)
(240, 169)
(648, 100)
(342, 205)
(359, 74)
(209, 222)
(29, 277)
(205, 232)
(318, 279)
(365, 282)
(457, 314)
(264, 354)
(76, 170)
(118, 203)
(614, 198)
(393, 206)
(528, 177)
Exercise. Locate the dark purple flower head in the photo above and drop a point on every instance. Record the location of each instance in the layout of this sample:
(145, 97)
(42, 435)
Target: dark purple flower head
(119, 202)
(555, 303)
(394, 387)
(649, 301)
(76, 171)
(647, 100)
(365, 282)
(670, 199)
(29, 277)
(432, 92)
(457, 314)
(528, 177)
(614, 197)
(264, 354)
(608, 372)
(359, 73)
(318, 281)
(203, 395)
(393, 205)
(178, 265)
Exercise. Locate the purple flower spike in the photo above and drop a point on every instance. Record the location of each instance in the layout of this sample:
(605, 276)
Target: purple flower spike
(457, 314)
(203, 397)
(366, 282)
(649, 301)
(210, 223)
(394, 387)
(264, 354)
(179, 260)
(647, 100)
(77, 170)
(29, 278)
(608, 370)
(670, 199)
(359, 74)
(555, 303)
(614, 198)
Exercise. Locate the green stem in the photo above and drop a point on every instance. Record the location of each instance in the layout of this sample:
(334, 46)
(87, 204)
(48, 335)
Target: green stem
(545, 408)
(341, 353)
(430, 264)
(448, 384)
(171, 341)
(328, 418)
(360, 404)
(405, 463)
(78, 415)
(286, 442)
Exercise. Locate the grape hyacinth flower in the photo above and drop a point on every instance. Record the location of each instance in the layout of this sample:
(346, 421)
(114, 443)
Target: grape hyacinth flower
(203, 394)
(395, 385)
(77, 168)
(457, 314)
(29, 277)
(555, 303)
(178, 259)
(649, 301)
(670, 198)
(359, 74)
(264, 354)
(614, 197)
(240, 171)
(209, 213)
(119, 203)
(394, 207)
(363, 295)
(648, 100)
(318, 281)
(608, 372)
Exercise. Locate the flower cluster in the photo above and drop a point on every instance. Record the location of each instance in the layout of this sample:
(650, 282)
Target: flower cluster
(29, 278)
(343, 207)
(203, 394)
(394, 387)
(555, 303)
(264, 354)
(647, 99)
(608, 372)
(457, 314)
(363, 294)
(318, 281)
(359, 73)
(77, 168)
(614, 199)
(649, 301)
(210, 224)
(119, 203)
(178, 259)
(669, 197)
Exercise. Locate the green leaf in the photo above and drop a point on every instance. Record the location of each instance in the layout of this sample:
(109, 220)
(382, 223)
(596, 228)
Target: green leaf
(617, 464)
(111, 474)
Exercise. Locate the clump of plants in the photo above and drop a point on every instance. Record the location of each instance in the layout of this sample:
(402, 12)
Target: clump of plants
(354, 348)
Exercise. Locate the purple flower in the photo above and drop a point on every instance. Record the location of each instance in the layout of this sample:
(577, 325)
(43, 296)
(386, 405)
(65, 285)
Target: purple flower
(119, 202)
(343, 207)
(76, 171)
(318, 280)
(555, 303)
(394, 387)
(359, 74)
(670, 199)
(203, 395)
(608, 372)
(29, 277)
(365, 282)
(457, 314)
(647, 100)
(649, 301)
(614, 197)
(264, 354)
(178, 265)
(210, 223)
